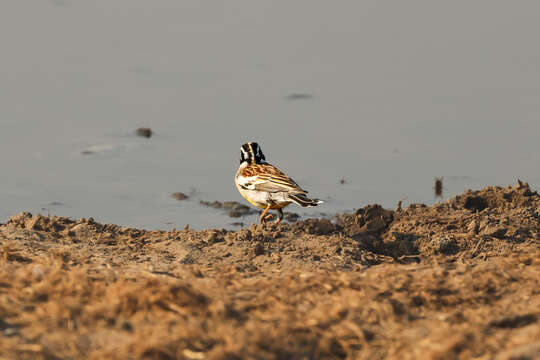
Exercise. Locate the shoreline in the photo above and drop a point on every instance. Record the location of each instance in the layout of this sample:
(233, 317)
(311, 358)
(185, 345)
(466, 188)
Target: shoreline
(458, 279)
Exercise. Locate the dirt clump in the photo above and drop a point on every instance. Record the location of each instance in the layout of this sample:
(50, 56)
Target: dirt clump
(144, 132)
(455, 280)
(234, 209)
(291, 217)
(179, 196)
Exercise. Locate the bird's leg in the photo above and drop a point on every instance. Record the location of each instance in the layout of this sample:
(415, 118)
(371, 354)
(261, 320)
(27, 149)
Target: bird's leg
(280, 215)
(263, 215)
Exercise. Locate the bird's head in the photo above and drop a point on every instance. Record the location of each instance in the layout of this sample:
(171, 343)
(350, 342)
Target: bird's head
(251, 153)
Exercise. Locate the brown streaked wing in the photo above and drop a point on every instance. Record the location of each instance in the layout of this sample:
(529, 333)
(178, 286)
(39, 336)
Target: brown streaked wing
(270, 178)
(258, 169)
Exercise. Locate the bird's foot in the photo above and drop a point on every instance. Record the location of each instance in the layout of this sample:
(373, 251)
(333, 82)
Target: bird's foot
(265, 218)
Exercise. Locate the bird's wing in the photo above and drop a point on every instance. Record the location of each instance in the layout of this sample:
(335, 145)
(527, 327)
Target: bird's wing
(266, 177)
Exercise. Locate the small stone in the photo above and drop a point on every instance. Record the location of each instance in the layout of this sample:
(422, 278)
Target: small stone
(144, 132)
(214, 204)
(235, 214)
(179, 196)
(291, 217)
(235, 206)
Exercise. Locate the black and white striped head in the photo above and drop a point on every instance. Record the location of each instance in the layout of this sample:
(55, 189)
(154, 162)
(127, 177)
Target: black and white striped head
(251, 153)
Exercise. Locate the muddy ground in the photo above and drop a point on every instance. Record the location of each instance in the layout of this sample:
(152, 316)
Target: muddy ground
(457, 280)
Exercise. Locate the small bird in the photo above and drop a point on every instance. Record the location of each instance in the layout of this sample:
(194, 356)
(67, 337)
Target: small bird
(265, 186)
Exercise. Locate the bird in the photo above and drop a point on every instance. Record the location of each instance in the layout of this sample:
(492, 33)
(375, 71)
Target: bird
(265, 186)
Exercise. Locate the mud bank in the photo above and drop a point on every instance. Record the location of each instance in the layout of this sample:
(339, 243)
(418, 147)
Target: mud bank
(457, 280)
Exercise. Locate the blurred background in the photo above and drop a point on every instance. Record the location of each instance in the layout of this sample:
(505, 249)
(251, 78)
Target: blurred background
(359, 101)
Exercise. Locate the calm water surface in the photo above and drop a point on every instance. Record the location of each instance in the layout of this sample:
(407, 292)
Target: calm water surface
(396, 94)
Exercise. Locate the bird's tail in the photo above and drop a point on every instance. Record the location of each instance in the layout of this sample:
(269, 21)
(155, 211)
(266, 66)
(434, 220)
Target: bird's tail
(303, 200)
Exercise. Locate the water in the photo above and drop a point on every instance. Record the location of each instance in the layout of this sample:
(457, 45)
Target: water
(384, 95)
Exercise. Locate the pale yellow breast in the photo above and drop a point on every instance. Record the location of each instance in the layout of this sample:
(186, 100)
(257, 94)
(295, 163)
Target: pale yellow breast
(260, 199)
